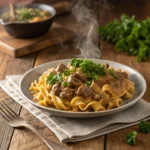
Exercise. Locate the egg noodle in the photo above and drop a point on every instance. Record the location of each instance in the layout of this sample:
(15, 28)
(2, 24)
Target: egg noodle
(82, 86)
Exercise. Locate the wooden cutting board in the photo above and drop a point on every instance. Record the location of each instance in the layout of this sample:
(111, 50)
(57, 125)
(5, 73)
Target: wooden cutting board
(16, 47)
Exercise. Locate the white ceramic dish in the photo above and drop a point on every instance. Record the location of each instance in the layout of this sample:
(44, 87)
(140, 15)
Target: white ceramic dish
(35, 73)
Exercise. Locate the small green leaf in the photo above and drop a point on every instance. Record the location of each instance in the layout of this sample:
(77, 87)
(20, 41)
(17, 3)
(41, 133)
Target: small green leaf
(131, 138)
(66, 84)
(53, 79)
(111, 71)
(88, 83)
(144, 127)
(76, 62)
(67, 72)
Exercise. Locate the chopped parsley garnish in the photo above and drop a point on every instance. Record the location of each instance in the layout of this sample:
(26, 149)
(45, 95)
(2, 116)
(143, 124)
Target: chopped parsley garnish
(76, 62)
(144, 127)
(53, 79)
(66, 84)
(131, 138)
(88, 83)
(68, 72)
(89, 68)
(95, 77)
(111, 71)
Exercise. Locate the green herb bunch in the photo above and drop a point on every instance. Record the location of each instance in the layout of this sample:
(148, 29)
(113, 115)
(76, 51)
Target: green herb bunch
(89, 68)
(129, 35)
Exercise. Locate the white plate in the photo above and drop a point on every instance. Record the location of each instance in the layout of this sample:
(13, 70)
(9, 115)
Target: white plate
(35, 73)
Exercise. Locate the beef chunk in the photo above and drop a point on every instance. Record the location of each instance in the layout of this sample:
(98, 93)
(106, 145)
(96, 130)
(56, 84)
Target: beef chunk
(77, 79)
(107, 65)
(56, 89)
(67, 93)
(84, 91)
(101, 81)
(74, 82)
(61, 68)
(81, 77)
(125, 74)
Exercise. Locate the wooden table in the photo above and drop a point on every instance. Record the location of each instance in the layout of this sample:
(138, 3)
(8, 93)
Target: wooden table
(23, 139)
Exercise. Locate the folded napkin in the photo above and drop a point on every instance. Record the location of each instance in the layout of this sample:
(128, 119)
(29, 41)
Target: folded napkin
(75, 129)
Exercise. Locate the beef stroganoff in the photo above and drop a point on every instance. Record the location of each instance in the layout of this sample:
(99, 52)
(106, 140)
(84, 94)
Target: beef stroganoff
(82, 85)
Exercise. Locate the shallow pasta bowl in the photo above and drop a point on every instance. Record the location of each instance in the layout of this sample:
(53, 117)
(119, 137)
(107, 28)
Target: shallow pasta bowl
(35, 73)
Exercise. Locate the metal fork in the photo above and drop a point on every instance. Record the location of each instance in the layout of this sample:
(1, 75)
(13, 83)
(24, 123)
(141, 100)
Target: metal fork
(15, 120)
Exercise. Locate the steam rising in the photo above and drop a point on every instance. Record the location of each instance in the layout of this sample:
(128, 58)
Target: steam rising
(88, 40)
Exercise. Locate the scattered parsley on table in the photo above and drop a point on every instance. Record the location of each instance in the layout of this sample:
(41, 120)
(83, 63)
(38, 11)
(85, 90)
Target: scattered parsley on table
(131, 138)
(144, 127)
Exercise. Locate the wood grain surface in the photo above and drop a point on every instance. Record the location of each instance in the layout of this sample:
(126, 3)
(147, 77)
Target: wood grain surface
(9, 65)
(16, 47)
(24, 139)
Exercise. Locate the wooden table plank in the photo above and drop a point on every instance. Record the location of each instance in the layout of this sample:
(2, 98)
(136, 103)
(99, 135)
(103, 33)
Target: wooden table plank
(116, 140)
(9, 65)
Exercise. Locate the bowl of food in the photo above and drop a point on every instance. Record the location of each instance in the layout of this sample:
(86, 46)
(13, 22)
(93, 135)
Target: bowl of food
(29, 21)
(82, 88)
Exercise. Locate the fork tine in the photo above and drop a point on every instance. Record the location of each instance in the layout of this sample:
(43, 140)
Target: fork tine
(4, 115)
(9, 110)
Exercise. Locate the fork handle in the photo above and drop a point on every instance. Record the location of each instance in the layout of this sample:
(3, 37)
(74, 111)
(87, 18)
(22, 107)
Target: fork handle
(51, 144)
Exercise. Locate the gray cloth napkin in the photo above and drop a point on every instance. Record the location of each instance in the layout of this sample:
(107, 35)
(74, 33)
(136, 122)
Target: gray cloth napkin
(73, 129)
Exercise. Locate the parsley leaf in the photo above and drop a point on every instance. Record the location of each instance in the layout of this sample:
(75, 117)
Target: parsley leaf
(111, 71)
(88, 83)
(144, 127)
(67, 72)
(53, 79)
(66, 84)
(76, 62)
(131, 138)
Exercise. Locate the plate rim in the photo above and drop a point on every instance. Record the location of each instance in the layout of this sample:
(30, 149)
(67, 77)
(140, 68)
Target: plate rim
(95, 114)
